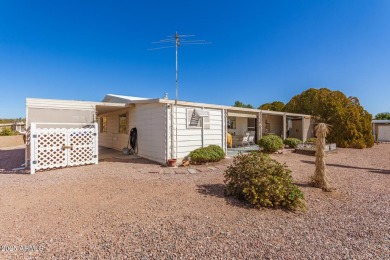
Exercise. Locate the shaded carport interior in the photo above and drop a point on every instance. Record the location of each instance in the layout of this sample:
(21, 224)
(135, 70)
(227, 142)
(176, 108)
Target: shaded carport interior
(266, 122)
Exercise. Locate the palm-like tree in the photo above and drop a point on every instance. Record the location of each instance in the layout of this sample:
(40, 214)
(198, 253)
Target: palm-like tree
(320, 179)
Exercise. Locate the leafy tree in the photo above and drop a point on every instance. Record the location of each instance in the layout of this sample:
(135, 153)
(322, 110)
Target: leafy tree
(383, 116)
(240, 104)
(274, 106)
(351, 124)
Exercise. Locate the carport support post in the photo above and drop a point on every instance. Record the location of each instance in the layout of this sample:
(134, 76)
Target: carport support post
(303, 129)
(284, 126)
(32, 147)
(96, 126)
(259, 126)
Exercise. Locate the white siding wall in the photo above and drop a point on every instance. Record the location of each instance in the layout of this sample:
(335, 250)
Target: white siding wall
(190, 139)
(150, 120)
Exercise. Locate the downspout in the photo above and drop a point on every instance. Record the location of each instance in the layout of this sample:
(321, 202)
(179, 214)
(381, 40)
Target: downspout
(26, 151)
(202, 130)
(172, 134)
(225, 115)
(166, 133)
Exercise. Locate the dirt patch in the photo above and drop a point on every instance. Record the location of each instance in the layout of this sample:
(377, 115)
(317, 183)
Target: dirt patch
(13, 140)
(125, 210)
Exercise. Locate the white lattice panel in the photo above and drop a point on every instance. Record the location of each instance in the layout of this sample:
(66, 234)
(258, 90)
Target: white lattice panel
(83, 143)
(61, 147)
(48, 144)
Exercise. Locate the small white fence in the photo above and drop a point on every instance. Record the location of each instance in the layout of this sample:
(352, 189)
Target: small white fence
(61, 147)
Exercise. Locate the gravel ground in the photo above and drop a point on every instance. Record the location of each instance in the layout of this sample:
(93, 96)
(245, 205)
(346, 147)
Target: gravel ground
(133, 209)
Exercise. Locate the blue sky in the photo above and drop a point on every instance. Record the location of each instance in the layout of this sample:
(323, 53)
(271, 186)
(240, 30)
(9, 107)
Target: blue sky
(261, 51)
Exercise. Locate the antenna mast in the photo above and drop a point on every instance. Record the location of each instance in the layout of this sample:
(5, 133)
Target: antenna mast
(177, 43)
(176, 39)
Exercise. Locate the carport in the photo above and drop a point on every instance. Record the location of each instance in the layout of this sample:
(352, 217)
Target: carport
(63, 133)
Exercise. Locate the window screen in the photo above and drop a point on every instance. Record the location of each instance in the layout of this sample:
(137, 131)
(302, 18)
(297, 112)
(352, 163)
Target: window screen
(251, 124)
(103, 124)
(195, 121)
(231, 122)
(123, 124)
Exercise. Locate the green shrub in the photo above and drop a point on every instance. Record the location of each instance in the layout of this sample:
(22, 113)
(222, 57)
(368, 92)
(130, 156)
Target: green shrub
(211, 153)
(262, 182)
(6, 132)
(271, 143)
(292, 142)
(311, 140)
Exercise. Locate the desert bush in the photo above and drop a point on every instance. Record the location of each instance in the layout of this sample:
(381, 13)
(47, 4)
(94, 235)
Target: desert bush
(271, 143)
(211, 153)
(262, 182)
(359, 144)
(6, 132)
(311, 140)
(292, 142)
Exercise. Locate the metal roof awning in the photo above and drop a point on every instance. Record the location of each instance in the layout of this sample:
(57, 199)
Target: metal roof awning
(106, 107)
(242, 114)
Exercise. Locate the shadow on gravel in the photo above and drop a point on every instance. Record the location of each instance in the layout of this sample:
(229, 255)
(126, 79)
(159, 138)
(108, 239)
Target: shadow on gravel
(381, 171)
(132, 161)
(304, 184)
(217, 190)
(11, 159)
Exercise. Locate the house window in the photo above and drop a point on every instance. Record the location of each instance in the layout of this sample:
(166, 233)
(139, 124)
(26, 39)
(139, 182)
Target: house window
(123, 124)
(231, 122)
(195, 118)
(267, 127)
(251, 124)
(103, 124)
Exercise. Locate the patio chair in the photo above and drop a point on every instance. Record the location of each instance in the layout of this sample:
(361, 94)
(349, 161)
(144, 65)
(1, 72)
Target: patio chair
(251, 139)
(245, 140)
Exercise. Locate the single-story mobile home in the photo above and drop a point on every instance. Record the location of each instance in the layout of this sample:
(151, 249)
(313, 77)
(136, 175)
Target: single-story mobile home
(65, 132)
(381, 130)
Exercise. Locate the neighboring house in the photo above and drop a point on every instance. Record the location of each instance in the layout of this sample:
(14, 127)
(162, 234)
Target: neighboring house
(165, 129)
(16, 126)
(381, 130)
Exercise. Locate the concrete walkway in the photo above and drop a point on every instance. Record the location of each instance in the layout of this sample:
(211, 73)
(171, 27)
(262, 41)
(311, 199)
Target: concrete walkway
(231, 152)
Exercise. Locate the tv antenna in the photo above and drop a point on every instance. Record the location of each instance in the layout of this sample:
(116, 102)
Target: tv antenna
(174, 41)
